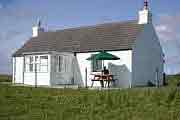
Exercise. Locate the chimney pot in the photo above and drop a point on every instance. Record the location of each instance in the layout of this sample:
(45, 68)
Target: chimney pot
(36, 30)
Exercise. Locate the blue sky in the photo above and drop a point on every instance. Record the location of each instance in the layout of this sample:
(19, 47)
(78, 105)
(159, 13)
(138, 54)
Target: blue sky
(18, 16)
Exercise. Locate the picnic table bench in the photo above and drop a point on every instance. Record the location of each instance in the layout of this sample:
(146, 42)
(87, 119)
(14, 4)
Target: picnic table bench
(102, 78)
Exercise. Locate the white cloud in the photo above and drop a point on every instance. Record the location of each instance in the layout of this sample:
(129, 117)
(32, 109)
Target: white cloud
(161, 28)
(168, 27)
(168, 30)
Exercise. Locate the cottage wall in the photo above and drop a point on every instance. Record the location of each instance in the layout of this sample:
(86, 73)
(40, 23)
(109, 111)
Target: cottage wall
(18, 69)
(147, 60)
(72, 74)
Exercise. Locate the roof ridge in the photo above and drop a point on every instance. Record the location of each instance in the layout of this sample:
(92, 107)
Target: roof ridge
(96, 25)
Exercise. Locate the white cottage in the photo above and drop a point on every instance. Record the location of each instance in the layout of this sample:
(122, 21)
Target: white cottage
(59, 57)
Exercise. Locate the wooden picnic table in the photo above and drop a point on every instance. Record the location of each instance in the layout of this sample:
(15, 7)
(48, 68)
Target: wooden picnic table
(102, 78)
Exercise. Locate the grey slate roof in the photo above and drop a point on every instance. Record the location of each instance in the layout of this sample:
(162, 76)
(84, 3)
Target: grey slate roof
(108, 36)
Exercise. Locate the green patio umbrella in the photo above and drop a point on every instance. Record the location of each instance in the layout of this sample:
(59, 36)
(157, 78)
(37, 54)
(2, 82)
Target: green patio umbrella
(103, 56)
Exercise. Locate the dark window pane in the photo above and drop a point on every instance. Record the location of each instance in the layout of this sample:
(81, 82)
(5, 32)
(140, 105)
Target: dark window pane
(31, 59)
(60, 62)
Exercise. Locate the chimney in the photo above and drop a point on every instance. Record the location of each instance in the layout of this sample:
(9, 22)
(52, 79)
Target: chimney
(145, 16)
(37, 29)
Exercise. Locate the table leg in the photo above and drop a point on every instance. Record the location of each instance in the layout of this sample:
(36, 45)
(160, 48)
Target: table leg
(108, 83)
(102, 83)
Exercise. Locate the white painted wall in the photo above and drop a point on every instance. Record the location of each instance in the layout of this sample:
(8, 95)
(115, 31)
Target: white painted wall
(14, 69)
(147, 56)
(117, 67)
(18, 69)
(42, 78)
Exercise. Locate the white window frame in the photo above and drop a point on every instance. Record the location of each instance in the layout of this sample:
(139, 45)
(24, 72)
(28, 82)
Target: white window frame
(28, 63)
(35, 62)
(61, 60)
(42, 65)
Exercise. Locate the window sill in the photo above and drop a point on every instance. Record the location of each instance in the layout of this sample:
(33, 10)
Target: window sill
(36, 72)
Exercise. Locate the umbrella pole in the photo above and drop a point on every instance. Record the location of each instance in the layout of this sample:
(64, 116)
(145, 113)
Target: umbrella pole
(103, 64)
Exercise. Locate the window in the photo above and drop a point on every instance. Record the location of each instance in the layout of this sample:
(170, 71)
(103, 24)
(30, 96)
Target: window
(62, 64)
(43, 63)
(96, 65)
(36, 63)
(29, 64)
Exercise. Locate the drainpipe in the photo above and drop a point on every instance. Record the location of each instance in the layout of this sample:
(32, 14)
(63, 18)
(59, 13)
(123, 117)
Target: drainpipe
(14, 69)
(23, 68)
(73, 82)
(86, 77)
(35, 75)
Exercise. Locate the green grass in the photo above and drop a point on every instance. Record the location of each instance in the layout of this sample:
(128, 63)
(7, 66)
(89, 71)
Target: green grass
(173, 80)
(5, 78)
(25, 103)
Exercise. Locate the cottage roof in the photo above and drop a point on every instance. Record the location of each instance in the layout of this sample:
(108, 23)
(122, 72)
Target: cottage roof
(107, 36)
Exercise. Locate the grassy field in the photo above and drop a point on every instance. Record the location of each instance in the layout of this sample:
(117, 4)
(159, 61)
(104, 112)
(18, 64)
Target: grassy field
(173, 80)
(5, 78)
(25, 103)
